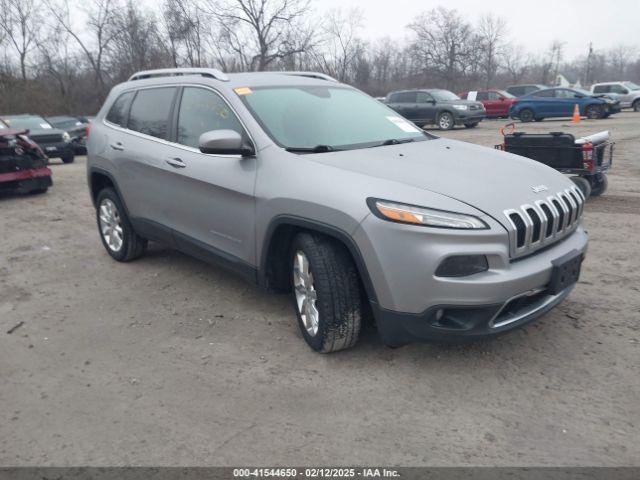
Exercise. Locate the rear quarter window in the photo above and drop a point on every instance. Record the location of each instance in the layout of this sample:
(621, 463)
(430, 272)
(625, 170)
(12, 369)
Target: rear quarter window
(150, 111)
(601, 89)
(118, 112)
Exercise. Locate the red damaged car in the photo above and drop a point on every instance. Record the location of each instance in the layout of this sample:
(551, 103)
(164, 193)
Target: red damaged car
(23, 165)
(496, 102)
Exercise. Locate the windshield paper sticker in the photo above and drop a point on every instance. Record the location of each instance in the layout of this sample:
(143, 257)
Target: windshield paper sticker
(243, 91)
(403, 125)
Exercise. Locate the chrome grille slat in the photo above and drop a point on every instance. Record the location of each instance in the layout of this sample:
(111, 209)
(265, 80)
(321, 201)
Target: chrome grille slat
(558, 215)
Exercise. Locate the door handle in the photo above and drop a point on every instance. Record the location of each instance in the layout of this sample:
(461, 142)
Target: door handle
(117, 146)
(176, 162)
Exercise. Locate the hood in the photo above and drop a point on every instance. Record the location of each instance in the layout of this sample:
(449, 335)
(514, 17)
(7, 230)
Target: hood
(487, 179)
(35, 132)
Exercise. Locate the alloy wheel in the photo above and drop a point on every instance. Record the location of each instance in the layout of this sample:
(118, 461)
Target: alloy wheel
(111, 225)
(305, 292)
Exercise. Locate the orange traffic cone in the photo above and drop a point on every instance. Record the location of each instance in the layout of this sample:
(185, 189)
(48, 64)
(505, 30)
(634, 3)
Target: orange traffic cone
(576, 114)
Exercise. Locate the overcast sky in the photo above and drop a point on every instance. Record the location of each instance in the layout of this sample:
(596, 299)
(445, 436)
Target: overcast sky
(534, 24)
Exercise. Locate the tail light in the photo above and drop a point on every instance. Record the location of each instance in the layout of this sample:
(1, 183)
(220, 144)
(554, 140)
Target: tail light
(587, 157)
(88, 130)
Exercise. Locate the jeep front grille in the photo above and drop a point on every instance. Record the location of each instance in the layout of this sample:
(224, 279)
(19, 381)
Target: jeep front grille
(532, 226)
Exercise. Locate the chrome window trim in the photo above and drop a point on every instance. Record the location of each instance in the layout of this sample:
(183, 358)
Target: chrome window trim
(175, 144)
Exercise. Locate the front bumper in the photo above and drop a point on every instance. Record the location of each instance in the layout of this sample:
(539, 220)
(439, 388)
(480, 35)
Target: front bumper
(25, 181)
(467, 117)
(402, 259)
(57, 150)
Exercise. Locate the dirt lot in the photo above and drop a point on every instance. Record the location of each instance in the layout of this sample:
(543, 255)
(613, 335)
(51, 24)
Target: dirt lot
(169, 361)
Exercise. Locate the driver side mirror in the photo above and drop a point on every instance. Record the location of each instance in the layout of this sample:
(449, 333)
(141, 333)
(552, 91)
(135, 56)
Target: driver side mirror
(579, 95)
(224, 142)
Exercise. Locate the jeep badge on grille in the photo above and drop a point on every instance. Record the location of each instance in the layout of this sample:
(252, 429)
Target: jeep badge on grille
(539, 188)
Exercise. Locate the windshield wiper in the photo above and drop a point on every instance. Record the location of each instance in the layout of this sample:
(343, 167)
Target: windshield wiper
(316, 149)
(394, 141)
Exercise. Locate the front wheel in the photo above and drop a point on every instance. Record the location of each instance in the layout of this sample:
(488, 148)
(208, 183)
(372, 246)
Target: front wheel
(594, 112)
(116, 231)
(471, 125)
(326, 292)
(445, 121)
(636, 106)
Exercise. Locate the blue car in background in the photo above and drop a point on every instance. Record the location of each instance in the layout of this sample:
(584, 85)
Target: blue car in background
(560, 102)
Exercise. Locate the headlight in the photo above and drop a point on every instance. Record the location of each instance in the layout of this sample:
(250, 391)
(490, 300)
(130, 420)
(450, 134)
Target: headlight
(460, 107)
(398, 212)
(65, 137)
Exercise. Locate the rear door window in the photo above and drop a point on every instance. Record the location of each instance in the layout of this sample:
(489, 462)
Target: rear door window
(404, 97)
(201, 111)
(150, 111)
(118, 112)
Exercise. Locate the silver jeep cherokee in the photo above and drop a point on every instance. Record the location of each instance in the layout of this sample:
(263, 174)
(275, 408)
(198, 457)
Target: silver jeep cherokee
(306, 185)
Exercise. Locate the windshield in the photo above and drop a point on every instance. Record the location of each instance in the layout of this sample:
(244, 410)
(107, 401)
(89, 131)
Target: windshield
(631, 86)
(443, 95)
(323, 118)
(31, 123)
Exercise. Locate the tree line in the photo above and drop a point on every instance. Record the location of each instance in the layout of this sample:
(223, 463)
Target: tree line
(63, 56)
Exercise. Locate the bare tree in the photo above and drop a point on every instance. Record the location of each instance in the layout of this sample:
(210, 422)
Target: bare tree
(19, 21)
(491, 32)
(341, 46)
(442, 43)
(99, 34)
(187, 27)
(516, 62)
(259, 32)
(620, 57)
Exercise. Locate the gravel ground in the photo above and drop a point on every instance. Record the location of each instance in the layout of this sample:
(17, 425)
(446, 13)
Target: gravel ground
(169, 361)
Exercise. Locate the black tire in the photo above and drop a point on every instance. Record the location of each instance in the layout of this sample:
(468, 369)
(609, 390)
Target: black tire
(583, 184)
(599, 184)
(446, 121)
(68, 158)
(39, 191)
(539, 119)
(336, 286)
(133, 245)
(526, 115)
(594, 112)
(471, 125)
(636, 106)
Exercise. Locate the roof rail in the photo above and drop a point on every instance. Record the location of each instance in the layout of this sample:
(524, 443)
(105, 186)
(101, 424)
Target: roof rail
(172, 72)
(320, 76)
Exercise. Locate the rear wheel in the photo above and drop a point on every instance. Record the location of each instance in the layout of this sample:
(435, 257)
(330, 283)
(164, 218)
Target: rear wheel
(584, 185)
(445, 121)
(68, 158)
(594, 111)
(326, 292)
(116, 232)
(526, 115)
(599, 184)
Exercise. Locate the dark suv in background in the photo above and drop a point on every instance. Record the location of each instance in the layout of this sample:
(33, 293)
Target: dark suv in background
(55, 143)
(434, 106)
(76, 128)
